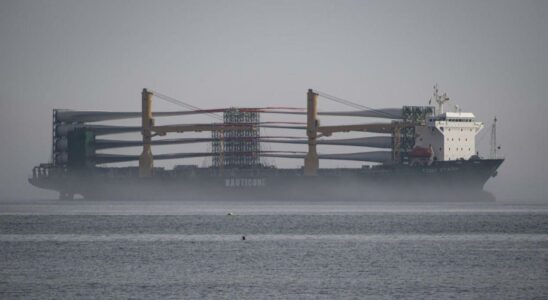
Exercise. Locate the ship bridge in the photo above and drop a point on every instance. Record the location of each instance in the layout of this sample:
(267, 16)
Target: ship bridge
(451, 135)
(453, 117)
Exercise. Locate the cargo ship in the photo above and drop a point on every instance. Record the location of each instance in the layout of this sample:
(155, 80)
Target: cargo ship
(423, 153)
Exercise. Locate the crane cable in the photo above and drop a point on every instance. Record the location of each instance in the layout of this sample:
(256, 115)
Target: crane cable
(184, 104)
(354, 105)
(322, 94)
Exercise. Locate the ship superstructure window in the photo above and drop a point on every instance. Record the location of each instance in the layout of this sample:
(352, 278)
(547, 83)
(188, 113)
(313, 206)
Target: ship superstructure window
(454, 120)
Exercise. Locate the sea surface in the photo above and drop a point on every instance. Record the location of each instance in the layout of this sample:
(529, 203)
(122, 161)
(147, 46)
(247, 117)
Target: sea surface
(53, 249)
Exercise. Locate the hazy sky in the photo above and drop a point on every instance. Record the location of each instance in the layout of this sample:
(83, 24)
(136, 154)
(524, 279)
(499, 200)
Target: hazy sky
(489, 56)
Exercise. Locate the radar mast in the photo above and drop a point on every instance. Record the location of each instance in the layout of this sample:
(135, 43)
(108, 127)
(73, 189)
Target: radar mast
(440, 99)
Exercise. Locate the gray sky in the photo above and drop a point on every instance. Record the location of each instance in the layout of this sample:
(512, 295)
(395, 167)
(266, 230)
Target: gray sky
(489, 56)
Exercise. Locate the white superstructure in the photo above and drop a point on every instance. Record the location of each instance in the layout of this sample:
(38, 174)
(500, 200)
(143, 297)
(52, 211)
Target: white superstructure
(450, 134)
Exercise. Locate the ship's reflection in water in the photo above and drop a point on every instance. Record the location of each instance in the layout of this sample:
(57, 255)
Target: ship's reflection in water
(120, 249)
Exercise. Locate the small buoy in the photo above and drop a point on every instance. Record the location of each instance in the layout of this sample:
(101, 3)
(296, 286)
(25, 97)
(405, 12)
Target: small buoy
(243, 237)
(230, 214)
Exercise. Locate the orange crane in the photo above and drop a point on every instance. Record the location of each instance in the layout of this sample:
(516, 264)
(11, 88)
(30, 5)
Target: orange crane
(146, 160)
(313, 128)
(313, 131)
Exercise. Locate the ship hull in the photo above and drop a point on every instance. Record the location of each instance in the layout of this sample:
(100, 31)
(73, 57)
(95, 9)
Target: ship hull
(446, 181)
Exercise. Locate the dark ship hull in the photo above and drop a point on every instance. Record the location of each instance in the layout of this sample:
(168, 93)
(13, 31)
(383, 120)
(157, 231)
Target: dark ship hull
(442, 181)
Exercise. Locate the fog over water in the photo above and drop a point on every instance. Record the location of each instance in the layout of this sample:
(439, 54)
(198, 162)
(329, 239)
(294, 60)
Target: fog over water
(489, 56)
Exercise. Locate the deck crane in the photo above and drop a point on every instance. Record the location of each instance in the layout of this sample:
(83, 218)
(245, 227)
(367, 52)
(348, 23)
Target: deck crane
(313, 131)
(146, 160)
(313, 128)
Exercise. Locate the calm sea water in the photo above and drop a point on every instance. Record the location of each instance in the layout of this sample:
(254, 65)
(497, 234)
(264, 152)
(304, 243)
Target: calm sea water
(62, 250)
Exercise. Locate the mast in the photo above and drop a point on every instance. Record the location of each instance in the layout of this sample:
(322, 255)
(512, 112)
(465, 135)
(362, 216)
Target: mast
(494, 138)
(311, 161)
(440, 99)
(146, 160)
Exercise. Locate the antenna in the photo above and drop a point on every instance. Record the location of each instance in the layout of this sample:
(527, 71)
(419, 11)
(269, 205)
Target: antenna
(494, 139)
(440, 99)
